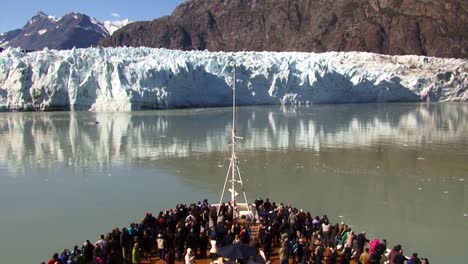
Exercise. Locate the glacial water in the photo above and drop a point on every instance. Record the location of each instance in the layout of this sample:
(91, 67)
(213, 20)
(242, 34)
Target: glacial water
(396, 171)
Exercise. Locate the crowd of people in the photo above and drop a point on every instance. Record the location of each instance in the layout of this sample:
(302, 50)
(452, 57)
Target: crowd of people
(198, 231)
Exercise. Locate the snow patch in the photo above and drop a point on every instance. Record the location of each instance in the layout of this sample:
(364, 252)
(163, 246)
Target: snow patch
(94, 21)
(42, 31)
(53, 19)
(112, 26)
(100, 25)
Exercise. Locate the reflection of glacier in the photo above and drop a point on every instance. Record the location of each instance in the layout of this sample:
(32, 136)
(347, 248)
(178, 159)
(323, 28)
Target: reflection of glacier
(143, 78)
(62, 138)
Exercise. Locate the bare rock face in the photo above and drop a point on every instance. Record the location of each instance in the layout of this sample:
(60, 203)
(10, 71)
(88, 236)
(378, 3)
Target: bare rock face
(434, 28)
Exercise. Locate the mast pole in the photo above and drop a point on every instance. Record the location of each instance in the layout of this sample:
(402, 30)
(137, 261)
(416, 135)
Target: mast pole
(233, 141)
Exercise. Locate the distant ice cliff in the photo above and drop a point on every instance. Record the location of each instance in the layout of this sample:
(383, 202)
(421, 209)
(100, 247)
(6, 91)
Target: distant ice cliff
(122, 79)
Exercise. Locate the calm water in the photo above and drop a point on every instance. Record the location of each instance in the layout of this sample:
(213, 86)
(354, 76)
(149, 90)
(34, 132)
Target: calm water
(397, 171)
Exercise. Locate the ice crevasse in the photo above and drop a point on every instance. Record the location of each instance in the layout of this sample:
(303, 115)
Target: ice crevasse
(124, 79)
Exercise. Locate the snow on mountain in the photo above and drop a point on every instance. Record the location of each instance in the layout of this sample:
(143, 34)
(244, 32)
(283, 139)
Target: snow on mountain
(123, 79)
(66, 32)
(100, 25)
(113, 26)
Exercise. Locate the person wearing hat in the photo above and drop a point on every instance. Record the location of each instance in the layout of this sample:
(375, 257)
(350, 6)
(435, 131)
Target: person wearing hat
(161, 242)
(318, 252)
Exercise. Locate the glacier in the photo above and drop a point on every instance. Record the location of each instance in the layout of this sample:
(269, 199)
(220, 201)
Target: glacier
(125, 79)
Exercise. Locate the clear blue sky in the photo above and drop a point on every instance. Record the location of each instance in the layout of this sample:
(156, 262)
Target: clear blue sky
(15, 13)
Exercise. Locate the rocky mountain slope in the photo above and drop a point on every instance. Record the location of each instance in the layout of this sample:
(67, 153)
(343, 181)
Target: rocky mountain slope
(422, 27)
(71, 30)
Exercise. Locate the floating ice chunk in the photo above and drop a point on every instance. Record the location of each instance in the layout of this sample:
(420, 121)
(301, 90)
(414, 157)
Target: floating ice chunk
(420, 158)
(445, 192)
(419, 188)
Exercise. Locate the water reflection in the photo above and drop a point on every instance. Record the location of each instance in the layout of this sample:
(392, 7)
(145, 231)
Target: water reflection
(67, 139)
(395, 170)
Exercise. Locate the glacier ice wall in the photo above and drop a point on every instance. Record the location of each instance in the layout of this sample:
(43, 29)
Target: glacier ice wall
(122, 79)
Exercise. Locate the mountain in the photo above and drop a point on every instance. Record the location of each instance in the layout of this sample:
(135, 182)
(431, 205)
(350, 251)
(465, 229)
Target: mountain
(144, 78)
(396, 27)
(6, 37)
(71, 30)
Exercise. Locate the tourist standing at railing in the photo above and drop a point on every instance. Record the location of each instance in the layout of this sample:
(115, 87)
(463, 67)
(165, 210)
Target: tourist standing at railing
(161, 244)
(192, 241)
(326, 226)
(170, 256)
(350, 239)
(64, 255)
(179, 242)
(361, 241)
(284, 253)
(364, 258)
(136, 254)
(399, 258)
(424, 261)
(344, 235)
(204, 241)
(228, 238)
(126, 243)
(55, 259)
(414, 259)
(101, 246)
(393, 252)
(266, 243)
(88, 250)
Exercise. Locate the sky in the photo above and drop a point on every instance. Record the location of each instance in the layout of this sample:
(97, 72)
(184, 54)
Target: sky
(16, 13)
